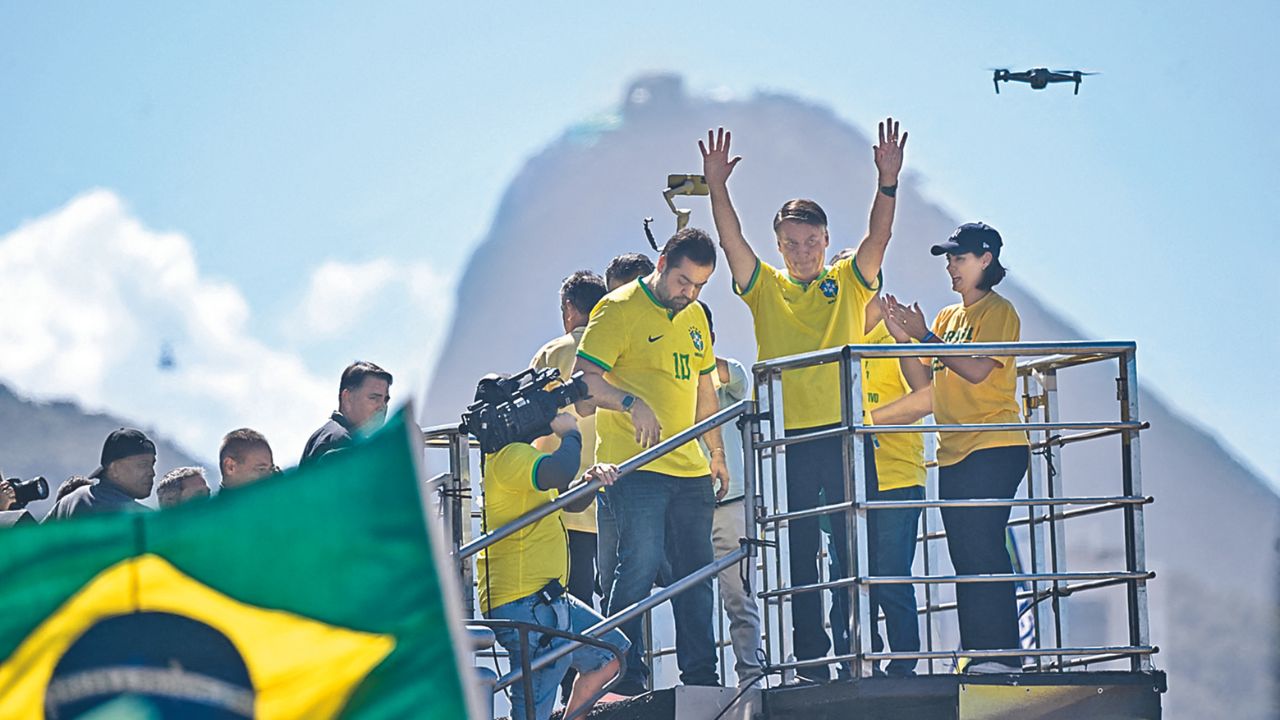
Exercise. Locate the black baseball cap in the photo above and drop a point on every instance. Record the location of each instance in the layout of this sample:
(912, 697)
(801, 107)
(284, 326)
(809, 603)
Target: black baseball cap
(976, 238)
(123, 443)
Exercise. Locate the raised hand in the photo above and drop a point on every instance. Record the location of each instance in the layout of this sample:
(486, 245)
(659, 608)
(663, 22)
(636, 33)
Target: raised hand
(895, 328)
(716, 165)
(888, 152)
(910, 318)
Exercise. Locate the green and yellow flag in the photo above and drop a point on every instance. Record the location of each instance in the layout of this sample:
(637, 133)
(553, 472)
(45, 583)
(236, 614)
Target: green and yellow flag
(316, 594)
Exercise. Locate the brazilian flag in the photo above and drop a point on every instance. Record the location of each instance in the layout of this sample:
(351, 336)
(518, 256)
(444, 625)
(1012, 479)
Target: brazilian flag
(315, 594)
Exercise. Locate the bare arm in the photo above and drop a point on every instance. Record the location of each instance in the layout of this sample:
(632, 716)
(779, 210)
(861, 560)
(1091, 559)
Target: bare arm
(888, 157)
(604, 395)
(911, 320)
(708, 405)
(716, 167)
(906, 409)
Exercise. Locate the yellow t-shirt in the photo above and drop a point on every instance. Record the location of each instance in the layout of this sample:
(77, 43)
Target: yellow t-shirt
(791, 318)
(899, 456)
(524, 563)
(994, 400)
(657, 357)
(560, 354)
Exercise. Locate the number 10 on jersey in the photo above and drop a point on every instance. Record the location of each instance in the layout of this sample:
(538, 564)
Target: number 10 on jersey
(681, 362)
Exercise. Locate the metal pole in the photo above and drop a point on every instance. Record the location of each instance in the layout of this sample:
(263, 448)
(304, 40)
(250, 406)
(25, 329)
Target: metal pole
(460, 513)
(1035, 488)
(629, 613)
(1057, 525)
(855, 489)
(1134, 531)
(927, 547)
(781, 533)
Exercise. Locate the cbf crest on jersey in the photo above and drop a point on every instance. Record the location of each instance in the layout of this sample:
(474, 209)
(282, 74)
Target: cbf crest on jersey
(696, 335)
(829, 287)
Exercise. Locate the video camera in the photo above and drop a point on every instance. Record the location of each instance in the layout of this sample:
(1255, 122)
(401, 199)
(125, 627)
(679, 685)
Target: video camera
(37, 488)
(519, 408)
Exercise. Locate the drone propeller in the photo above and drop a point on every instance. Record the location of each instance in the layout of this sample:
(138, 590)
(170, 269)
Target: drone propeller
(1075, 72)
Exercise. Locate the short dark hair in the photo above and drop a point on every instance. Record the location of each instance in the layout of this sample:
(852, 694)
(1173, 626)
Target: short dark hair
(627, 267)
(237, 442)
(801, 211)
(711, 326)
(692, 244)
(354, 376)
(70, 484)
(992, 274)
(582, 290)
(169, 489)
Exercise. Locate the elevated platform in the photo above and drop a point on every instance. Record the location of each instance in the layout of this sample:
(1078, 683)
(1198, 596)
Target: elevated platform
(1027, 696)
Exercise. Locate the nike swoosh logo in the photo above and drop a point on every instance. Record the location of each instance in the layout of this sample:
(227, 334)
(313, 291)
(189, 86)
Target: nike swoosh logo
(654, 339)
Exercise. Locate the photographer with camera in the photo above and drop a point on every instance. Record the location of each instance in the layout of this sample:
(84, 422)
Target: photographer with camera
(524, 577)
(125, 475)
(647, 359)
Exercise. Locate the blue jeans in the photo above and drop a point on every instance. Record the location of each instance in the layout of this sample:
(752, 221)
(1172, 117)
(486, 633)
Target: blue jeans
(606, 549)
(564, 613)
(646, 507)
(891, 546)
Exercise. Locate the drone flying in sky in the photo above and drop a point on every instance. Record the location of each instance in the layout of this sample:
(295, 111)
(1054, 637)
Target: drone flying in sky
(1039, 78)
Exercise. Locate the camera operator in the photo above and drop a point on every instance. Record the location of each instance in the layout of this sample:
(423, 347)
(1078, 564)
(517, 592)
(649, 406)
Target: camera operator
(647, 358)
(125, 476)
(524, 577)
(14, 496)
(363, 394)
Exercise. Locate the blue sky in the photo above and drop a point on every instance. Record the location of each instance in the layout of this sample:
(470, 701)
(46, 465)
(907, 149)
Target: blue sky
(296, 147)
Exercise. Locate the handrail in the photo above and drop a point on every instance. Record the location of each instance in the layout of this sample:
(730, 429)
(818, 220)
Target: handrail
(631, 465)
(523, 629)
(1110, 348)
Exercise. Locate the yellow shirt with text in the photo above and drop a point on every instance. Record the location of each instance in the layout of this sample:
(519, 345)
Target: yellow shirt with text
(524, 563)
(560, 354)
(792, 318)
(899, 456)
(657, 356)
(994, 400)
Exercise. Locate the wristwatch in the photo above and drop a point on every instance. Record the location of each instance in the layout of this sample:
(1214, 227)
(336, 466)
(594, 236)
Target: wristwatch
(627, 402)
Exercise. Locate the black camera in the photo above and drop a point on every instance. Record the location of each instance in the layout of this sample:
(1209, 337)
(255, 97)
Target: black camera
(37, 488)
(519, 408)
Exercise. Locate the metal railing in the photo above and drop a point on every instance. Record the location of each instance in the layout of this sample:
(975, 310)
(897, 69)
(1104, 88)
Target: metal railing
(1048, 578)
(455, 511)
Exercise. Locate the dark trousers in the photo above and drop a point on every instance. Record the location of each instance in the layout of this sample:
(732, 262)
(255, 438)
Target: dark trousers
(891, 547)
(647, 507)
(976, 541)
(814, 470)
(582, 566)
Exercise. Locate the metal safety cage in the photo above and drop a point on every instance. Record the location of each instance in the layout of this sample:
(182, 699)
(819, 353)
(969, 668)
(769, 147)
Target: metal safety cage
(1046, 506)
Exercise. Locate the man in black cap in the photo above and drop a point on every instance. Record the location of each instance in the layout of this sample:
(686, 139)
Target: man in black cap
(363, 394)
(124, 477)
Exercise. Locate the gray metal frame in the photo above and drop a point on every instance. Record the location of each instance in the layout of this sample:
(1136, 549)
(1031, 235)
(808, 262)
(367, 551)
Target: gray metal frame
(1046, 502)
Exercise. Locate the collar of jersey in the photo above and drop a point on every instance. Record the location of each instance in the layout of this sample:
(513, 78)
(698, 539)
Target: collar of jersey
(649, 293)
(806, 286)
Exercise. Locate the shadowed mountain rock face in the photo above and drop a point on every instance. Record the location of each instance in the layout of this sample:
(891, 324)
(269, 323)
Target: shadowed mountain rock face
(1212, 535)
(58, 439)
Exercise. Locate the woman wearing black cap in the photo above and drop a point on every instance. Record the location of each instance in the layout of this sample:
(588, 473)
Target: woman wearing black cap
(971, 390)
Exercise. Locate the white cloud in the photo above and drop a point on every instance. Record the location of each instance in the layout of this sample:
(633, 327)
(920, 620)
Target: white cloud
(389, 312)
(90, 298)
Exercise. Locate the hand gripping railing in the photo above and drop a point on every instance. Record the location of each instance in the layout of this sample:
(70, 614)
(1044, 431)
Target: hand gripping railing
(749, 429)
(1040, 393)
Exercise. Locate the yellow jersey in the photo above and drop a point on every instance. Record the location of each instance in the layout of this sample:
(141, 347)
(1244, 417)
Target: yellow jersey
(792, 318)
(560, 354)
(994, 400)
(899, 456)
(657, 356)
(524, 563)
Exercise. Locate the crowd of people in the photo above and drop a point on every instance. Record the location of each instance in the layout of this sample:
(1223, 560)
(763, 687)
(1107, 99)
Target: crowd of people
(126, 473)
(645, 345)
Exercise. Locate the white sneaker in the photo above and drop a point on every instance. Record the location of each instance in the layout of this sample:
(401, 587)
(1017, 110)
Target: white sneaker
(990, 667)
